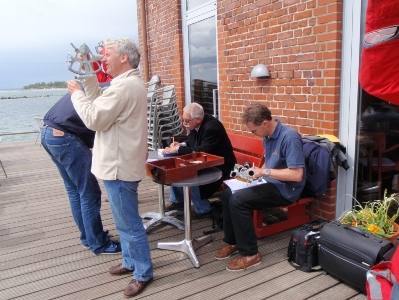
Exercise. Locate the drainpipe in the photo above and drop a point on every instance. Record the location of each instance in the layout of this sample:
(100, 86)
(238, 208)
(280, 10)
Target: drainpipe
(144, 56)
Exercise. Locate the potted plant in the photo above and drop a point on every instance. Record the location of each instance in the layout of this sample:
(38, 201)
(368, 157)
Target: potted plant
(377, 217)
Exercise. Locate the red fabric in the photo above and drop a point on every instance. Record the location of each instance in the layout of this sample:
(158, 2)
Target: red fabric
(380, 63)
(379, 282)
(395, 263)
(102, 76)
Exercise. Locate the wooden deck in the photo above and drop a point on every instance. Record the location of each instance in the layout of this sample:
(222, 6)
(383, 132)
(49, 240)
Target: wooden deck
(41, 256)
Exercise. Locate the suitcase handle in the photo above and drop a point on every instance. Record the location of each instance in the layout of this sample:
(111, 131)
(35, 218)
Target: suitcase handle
(363, 233)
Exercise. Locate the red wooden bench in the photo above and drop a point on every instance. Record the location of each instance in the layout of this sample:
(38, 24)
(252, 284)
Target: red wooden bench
(248, 149)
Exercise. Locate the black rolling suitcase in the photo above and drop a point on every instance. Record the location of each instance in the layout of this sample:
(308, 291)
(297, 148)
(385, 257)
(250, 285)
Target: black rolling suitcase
(347, 253)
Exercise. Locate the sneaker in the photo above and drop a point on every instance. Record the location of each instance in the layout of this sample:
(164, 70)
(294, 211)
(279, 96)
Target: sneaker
(86, 246)
(114, 247)
(226, 252)
(240, 263)
(174, 206)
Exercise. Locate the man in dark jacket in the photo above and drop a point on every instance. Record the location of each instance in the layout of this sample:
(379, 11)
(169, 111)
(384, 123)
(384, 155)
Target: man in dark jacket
(207, 134)
(68, 142)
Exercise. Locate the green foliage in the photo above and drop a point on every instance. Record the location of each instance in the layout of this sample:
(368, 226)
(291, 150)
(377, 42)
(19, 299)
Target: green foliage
(50, 85)
(374, 216)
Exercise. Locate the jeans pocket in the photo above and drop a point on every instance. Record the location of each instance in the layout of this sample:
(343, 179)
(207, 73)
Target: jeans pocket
(62, 153)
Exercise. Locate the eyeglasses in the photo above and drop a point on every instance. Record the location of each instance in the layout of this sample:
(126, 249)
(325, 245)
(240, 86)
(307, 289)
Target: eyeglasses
(255, 130)
(187, 120)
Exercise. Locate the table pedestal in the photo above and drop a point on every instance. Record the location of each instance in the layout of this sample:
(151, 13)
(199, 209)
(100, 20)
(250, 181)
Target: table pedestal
(157, 218)
(188, 245)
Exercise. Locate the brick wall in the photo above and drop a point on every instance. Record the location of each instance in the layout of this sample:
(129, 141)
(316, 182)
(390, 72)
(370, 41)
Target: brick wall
(165, 43)
(299, 41)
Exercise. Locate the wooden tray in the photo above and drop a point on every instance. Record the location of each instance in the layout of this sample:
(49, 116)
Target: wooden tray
(182, 167)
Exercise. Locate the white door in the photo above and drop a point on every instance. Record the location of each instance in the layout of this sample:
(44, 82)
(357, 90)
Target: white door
(200, 54)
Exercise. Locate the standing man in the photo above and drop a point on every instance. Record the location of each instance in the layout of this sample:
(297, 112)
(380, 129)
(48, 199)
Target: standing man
(68, 142)
(207, 134)
(285, 176)
(118, 114)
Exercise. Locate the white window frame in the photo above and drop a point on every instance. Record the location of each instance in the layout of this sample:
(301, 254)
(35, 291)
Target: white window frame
(349, 101)
(190, 17)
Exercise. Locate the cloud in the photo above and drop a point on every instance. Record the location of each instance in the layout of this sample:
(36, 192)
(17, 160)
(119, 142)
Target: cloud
(35, 35)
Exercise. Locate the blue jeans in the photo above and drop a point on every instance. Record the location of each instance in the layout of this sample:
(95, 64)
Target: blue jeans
(122, 197)
(200, 205)
(73, 160)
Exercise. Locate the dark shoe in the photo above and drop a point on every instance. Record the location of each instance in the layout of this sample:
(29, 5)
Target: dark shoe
(119, 270)
(226, 252)
(174, 206)
(114, 247)
(135, 287)
(197, 216)
(240, 263)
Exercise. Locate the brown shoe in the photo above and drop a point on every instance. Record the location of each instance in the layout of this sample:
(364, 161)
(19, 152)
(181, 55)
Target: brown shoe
(119, 270)
(135, 287)
(241, 263)
(174, 206)
(226, 252)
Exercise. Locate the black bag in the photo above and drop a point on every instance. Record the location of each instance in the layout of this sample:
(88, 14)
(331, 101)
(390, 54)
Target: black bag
(347, 253)
(217, 217)
(302, 249)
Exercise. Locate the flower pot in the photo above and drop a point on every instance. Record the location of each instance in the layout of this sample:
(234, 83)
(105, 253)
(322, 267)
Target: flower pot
(394, 237)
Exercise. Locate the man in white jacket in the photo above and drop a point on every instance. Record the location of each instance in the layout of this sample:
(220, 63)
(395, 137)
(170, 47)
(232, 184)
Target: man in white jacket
(118, 114)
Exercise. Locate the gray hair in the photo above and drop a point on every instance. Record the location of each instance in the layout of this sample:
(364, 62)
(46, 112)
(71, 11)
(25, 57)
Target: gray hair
(195, 110)
(126, 46)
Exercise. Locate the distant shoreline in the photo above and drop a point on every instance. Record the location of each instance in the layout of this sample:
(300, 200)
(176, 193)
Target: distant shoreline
(19, 94)
(24, 90)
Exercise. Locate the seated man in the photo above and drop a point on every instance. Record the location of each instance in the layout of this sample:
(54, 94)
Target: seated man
(207, 134)
(285, 178)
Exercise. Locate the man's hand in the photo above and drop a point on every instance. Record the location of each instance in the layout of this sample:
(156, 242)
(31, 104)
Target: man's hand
(73, 86)
(172, 149)
(258, 172)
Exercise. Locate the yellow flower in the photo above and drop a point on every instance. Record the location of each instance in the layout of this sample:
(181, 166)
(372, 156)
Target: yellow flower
(373, 228)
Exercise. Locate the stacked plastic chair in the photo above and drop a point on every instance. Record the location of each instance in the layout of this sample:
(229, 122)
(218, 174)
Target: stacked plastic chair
(163, 117)
(152, 85)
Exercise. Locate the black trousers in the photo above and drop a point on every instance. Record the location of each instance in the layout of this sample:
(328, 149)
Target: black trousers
(237, 214)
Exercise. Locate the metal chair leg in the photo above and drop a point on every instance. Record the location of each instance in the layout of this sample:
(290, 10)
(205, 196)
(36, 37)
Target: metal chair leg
(3, 168)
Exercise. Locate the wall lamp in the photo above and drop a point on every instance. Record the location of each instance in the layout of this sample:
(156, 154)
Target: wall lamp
(260, 71)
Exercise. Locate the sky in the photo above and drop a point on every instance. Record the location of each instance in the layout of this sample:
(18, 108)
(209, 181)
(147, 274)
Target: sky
(36, 35)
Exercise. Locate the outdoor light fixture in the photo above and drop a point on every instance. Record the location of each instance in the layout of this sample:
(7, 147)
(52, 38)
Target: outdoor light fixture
(260, 71)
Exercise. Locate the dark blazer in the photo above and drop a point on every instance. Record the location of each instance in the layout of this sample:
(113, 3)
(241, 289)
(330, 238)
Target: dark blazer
(213, 139)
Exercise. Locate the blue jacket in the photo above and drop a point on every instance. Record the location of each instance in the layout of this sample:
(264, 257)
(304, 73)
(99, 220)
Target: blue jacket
(321, 157)
(63, 116)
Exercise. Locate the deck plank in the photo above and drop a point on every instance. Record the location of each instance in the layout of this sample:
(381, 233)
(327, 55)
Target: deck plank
(41, 256)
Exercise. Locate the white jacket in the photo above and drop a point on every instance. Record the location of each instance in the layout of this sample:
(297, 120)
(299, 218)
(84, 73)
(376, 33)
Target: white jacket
(118, 114)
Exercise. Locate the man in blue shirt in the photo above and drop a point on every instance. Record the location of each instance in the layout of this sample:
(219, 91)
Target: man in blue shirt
(68, 142)
(285, 178)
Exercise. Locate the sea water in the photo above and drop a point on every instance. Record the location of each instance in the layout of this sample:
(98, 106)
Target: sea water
(18, 109)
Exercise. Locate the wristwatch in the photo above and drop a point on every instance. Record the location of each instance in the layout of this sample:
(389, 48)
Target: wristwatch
(267, 172)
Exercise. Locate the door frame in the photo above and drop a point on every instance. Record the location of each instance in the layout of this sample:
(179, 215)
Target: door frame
(349, 100)
(197, 14)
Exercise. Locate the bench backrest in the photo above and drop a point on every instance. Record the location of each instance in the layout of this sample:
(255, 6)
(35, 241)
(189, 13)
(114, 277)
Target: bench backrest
(247, 149)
